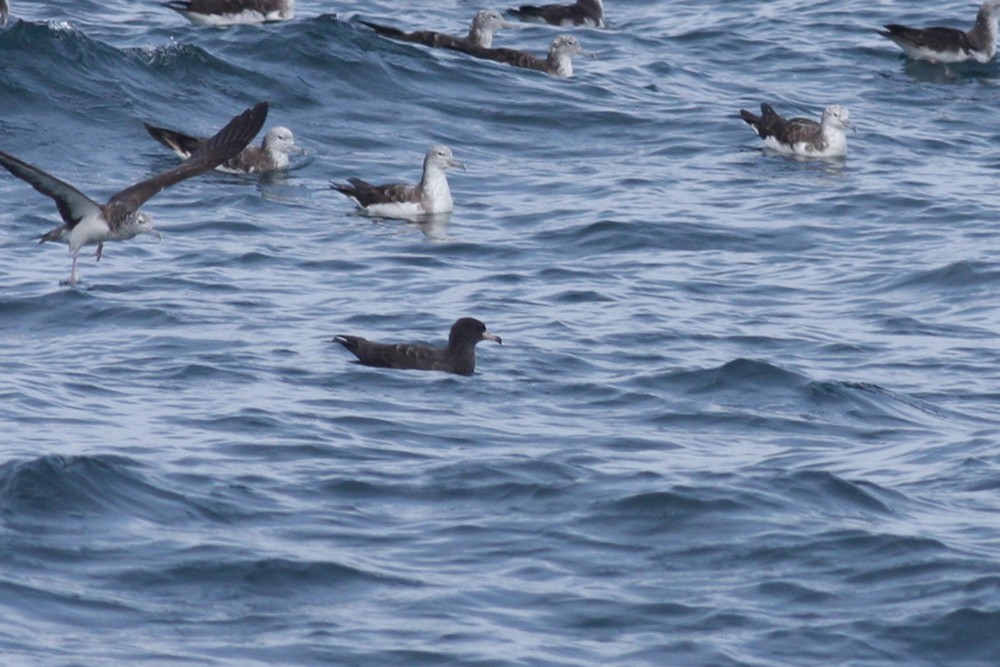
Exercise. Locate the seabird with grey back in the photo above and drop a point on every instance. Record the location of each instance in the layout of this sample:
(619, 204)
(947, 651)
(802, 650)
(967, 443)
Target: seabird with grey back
(403, 200)
(459, 356)
(233, 12)
(949, 45)
(802, 136)
(272, 154)
(582, 12)
(86, 222)
(484, 24)
(558, 62)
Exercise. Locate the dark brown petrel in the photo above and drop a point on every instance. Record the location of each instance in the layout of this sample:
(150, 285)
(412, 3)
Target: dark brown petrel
(948, 45)
(582, 12)
(484, 24)
(232, 12)
(458, 357)
(86, 222)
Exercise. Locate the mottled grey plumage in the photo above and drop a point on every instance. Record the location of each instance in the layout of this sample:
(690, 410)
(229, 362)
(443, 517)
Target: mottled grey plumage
(484, 24)
(558, 62)
(948, 45)
(582, 12)
(459, 356)
(87, 222)
(228, 12)
(272, 154)
(802, 136)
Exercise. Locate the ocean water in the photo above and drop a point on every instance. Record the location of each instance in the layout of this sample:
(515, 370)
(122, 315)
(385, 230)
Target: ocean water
(747, 408)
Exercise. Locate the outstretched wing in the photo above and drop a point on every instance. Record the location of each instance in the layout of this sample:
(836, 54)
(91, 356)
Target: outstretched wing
(226, 143)
(73, 205)
(367, 194)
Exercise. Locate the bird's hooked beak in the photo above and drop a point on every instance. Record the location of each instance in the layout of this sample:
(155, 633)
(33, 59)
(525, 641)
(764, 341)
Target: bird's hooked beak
(452, 162)
(154, 232)
(488, 336)
(295, 148)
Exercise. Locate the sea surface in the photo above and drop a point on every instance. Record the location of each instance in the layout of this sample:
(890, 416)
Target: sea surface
(746, 411)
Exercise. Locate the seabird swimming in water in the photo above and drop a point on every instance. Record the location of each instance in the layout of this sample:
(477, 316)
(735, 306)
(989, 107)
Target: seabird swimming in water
(86, 222)
(948, 45)
(559, 61)
(233, 12)
(484, 24)
(271, 155)
(582, 12)
(399, 200)
(4, 12)
(458, 357)
(801, 136)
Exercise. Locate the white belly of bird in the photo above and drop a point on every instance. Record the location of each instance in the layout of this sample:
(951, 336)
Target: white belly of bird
(943, 57)
(245, 17)
(89, 231)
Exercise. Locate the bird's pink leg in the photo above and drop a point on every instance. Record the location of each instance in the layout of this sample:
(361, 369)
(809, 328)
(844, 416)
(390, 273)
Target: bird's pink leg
(100, 248)
(72, 272)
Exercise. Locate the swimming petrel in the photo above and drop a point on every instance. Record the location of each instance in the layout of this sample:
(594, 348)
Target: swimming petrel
(582, 12)
(801, 136)
(271, 155)
(948, 45)
(484, 24)
(86, 222)
(558, 62)
(400, 200)
(458, 357)
(232, 12)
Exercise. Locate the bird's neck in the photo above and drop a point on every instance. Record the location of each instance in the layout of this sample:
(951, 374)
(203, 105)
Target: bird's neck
(561, 64)
(984, 33)
(434, 191)
(481, 37)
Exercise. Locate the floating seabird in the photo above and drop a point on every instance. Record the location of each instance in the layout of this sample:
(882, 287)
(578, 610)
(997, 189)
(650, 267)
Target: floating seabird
(86, 222)
(581, 12)
(484, 24)
(458, 357)
(232, 12)
(948, 45)
(559, 61)
(801, 136)
(400, 200)
(271, 155)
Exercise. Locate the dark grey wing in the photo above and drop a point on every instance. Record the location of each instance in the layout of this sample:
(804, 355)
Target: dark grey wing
(557, 14)
(73, 205)
(229, 141)
(367, 194)
(796, 130)
(401, 355)
(509, 56)
(175, 141)
(425, 37)
(251, 159)
(221, 6)
(934, 39)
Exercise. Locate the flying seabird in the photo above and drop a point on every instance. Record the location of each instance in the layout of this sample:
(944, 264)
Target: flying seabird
(801, 136)
(484, 24)
(559, 61)
(4, 12)
(232, 12)
(86, 222)
(458, 357)
(581, 12)
(948, 45)
(400, 200)
(271, 155)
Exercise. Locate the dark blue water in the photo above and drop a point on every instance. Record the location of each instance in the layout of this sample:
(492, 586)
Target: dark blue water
(747, 409)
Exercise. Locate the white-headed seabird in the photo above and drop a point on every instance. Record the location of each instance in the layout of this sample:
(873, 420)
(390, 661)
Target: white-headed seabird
(4, 12)
(949, 45)
(458, 357)
(271, 155)
(484, 24)
(581, 12)
(558, 62)
(86, 222)
(233, 12)
(801, 136)
(400, 200)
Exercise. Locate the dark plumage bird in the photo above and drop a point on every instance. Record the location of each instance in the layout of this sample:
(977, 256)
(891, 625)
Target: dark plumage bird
(484, 24)
(458, 357)
(86, 222)
(582, 12)
(407, 200)
(948, 45)
(802, 136)
(558, 62)
(232, 12)
(273, 153)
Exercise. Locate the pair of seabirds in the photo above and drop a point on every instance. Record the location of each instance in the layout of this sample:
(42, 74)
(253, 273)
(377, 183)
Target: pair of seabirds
(827, 138)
